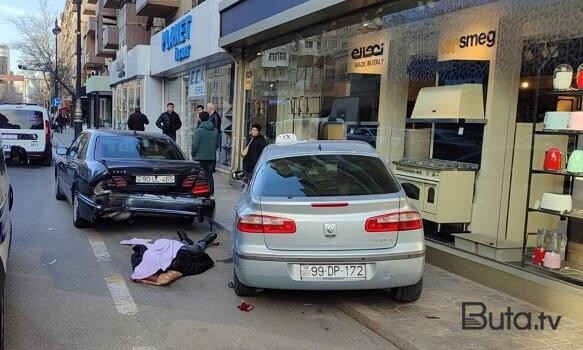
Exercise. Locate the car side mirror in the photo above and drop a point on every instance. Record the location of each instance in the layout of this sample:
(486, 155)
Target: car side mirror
(10, 198)
(62, 151)
(238, 175)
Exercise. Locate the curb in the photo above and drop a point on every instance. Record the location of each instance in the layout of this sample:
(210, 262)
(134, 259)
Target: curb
(367, 319)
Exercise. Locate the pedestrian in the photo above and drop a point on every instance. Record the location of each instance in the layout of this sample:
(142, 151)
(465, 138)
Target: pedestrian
(60, 121)
(199, 109)
(252, 151)
(137, 120)
(215, 118)
(169, 121)
(204, 147)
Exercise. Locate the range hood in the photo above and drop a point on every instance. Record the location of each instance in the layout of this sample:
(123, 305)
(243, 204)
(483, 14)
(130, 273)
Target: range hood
(464, 101)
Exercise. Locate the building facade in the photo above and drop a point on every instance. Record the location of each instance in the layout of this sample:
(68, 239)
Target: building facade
(458, 96)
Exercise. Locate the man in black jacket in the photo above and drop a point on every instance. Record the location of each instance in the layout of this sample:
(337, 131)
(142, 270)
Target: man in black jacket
(137, 120)
(169, 121)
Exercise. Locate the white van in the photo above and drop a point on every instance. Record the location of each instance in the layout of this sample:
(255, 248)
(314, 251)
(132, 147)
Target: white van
(26, 133)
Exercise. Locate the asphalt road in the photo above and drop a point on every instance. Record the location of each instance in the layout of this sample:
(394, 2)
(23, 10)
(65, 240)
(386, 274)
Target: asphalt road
(70, 289)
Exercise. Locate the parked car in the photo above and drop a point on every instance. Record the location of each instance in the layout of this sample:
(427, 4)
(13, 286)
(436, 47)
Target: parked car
(326, 215)
(26, 133)
(368, 135)
(6, 202)
(120, 174)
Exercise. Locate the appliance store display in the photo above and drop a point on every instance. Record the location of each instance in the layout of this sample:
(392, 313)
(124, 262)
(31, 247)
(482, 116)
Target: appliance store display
(557, 120)
(554, 159)
(576, 121)
(575, 164)
(563, 77)
(442, 190)
(553, 243)
(464, 101)
(558, 202)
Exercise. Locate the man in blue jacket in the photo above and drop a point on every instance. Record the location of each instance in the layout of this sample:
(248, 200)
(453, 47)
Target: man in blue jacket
(204, 147)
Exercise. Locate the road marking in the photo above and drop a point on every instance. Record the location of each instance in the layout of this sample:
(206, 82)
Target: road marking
(99, 248)
(123, 300)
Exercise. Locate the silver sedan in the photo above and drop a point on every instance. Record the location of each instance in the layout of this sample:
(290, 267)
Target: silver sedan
(326, 215)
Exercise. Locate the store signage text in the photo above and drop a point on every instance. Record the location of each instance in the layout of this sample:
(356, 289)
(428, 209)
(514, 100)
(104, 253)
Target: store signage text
(368, 54)
(177, 35)
(488, 39)
(120, 68)
(197, 86)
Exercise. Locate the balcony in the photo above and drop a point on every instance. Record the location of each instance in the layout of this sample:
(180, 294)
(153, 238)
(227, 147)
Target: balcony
(88, 9)
(90, 26)
(111, 4)
(110, 38)
(92, 61)
(92, 2)
(157, 8)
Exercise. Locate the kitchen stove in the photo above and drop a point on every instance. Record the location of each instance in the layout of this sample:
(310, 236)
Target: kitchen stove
(442, 190)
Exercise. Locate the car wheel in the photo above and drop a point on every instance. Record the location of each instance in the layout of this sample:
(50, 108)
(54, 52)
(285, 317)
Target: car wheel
(408, 294)
(241, 289)
(48, 161)
(58, 194)
(78, 221)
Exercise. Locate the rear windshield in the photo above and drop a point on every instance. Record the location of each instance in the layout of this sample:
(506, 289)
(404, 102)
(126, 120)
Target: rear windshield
(135, 147)
(324, 175)
(21, 119)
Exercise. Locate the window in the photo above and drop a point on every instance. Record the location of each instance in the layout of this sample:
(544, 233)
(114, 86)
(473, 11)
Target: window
(21, 119)
(72, 152)
(282, 56)
(83, 147)
(272, 57)
(309, 44)
(136, 147)
(331, 44)
(324, 175)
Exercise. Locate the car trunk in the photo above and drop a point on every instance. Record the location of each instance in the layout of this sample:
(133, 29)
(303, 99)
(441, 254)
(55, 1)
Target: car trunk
(157, 170)
(336, 224)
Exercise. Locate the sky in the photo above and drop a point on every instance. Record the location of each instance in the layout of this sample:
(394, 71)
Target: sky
(11, 8)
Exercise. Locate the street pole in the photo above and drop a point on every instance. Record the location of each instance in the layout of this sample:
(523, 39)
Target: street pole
(56, 31)
(78, 111)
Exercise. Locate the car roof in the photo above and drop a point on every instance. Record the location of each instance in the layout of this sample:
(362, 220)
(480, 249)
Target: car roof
(319, 147)
(24, 106)
(112, 132)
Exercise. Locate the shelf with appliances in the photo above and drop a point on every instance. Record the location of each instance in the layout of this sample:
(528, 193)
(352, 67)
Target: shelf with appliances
(445, 121)
(556, 124)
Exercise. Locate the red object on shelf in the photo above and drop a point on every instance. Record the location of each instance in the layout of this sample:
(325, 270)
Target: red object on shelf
(538, 256)
(552, 159)
(580, 79)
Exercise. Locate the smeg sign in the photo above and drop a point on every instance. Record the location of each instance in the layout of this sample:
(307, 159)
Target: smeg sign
(478, 39)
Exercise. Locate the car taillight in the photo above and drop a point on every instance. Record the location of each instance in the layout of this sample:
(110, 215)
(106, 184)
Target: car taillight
(201, 188)
(116, 182)
(119, 181)
(402, 221)
(265, 224)
(47, 130)
(189, 181)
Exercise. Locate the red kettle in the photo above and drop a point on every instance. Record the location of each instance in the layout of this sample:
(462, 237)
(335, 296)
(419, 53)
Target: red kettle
(553, 157)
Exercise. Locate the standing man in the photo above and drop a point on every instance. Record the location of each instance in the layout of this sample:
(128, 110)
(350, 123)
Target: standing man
(169, 121)
(215, 118)
(204, 147)
(199, 109)
(137, 120)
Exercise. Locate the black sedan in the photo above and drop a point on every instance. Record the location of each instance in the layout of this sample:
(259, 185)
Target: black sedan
(108, 174)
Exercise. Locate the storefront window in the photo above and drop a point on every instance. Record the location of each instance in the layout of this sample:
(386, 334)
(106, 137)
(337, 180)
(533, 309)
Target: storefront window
(126, 97)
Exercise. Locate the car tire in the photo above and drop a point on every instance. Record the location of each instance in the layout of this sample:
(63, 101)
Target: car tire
(48, 161)
(408, 294)
(242, 290)
(58, 194)
(78, 221)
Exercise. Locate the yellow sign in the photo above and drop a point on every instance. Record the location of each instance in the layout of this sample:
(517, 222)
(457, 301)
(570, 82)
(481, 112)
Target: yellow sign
(368, 53)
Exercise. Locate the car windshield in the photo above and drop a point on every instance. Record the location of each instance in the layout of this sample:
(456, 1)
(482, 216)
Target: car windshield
(324, 175)
(21, 119)
(135, 147)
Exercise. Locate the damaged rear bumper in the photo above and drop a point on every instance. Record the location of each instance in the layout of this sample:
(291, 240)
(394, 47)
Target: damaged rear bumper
(105, 205)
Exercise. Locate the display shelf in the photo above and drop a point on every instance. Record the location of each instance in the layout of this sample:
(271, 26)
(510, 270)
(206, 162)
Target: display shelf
(559, 132)
(562, 92)
(568, 272)
(560, 173)
(446, 121)
(574, 214)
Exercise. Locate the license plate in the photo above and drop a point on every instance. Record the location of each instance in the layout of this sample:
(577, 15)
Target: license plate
(155, 179)
(356, 272)
(9, 137)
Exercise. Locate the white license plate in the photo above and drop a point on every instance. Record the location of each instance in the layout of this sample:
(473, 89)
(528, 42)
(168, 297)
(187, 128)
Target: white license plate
(355, 272)
(9, 137)
(155, 179)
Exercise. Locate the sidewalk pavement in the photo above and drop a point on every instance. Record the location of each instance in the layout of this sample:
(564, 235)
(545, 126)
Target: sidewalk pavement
(435, 320)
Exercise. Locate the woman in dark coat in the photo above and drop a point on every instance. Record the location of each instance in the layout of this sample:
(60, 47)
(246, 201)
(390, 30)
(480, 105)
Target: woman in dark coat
(254, 148)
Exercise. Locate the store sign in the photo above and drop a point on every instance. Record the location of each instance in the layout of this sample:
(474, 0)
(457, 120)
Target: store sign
(474, 42)
(120, 68)
(368, 54)
(197, 84)
(176, 37)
